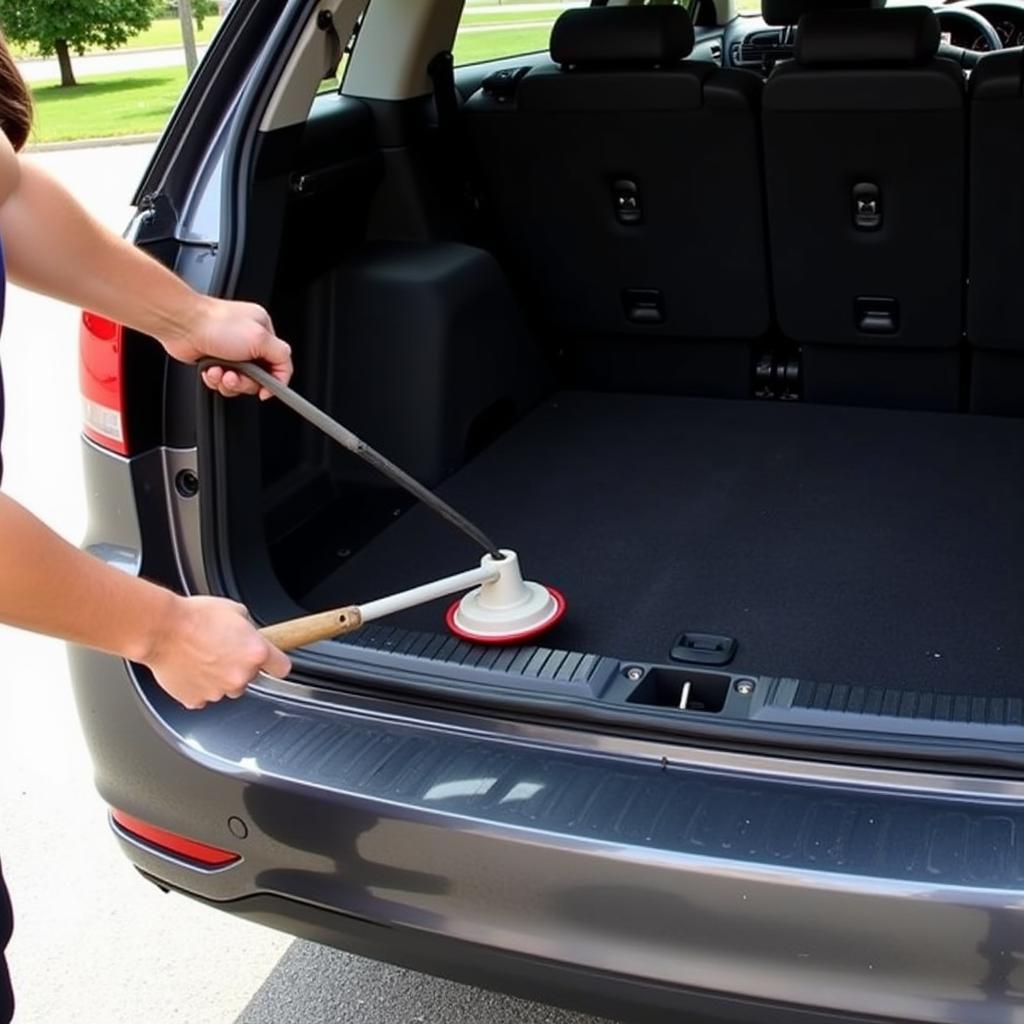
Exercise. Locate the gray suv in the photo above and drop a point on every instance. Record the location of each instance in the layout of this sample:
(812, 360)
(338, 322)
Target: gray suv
(703, 313)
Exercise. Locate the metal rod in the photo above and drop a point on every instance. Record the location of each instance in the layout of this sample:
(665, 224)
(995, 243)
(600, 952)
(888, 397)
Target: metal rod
(343, 436)
(427, 592)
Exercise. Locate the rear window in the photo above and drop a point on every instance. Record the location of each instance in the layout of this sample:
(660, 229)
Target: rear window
(490, 31)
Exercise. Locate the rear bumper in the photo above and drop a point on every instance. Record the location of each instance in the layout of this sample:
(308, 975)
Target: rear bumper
(521, 860)
(616, 997)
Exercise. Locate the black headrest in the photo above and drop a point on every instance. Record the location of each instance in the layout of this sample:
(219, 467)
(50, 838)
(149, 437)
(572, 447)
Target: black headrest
(901, 35)
(789, 12)
(634, 36)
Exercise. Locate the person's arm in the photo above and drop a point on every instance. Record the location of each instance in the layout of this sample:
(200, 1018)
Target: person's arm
(53, 246)
(199, 648)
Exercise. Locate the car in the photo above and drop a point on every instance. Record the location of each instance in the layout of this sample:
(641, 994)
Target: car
(715, 319)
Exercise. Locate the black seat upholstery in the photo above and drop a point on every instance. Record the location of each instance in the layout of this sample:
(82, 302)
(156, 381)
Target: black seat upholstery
(864, 136)
(995, 298)
(624, 181)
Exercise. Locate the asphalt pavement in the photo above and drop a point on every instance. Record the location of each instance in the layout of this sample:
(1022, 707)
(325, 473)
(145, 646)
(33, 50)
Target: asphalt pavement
(94, 943)
(313, 985)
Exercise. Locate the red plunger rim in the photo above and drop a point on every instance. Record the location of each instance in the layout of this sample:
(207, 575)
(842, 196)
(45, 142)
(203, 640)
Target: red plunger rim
(509, 638)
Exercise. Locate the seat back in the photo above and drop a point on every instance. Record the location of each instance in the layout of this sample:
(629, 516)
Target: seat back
(624, 181)
(995, 300)
(864, 136)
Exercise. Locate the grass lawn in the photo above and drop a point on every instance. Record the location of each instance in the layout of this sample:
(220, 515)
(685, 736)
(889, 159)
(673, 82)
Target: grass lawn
(506, 17)
(476, 46)
(166, 32)
(123, 104)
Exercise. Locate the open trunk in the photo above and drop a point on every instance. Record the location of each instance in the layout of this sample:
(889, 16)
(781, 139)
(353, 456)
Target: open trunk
(858, 560)
(855, 560)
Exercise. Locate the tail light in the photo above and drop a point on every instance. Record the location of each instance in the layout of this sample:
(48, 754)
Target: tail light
(171, 842)
(101, 381)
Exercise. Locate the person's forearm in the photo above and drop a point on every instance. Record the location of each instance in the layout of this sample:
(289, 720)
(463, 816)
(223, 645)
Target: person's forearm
(50, 587)
(53, 246)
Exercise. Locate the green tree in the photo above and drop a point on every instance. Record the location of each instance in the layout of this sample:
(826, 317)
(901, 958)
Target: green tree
(64, 26)
(203, 9)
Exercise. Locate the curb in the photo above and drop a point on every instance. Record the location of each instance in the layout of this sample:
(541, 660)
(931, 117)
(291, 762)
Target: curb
(111, 140)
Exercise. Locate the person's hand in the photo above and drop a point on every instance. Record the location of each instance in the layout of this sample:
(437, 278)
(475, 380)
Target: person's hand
(237, 332)
(206, 649)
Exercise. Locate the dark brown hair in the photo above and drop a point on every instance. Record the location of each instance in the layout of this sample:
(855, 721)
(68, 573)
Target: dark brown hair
(15, 101)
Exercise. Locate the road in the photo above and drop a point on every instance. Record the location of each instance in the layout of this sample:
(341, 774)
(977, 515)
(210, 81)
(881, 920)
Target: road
(93, 942)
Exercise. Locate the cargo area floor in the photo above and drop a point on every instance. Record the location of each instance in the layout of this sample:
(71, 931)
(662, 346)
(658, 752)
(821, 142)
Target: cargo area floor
(839, 545)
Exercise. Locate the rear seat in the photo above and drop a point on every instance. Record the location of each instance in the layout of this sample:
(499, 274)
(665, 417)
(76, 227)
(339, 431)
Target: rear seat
(864, 140)
(624, 183)
(995, 297)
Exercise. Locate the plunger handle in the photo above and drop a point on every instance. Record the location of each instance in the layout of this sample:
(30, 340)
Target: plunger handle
(286, 636)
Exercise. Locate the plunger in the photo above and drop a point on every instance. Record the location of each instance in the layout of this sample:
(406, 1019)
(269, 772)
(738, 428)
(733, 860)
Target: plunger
(501, 607)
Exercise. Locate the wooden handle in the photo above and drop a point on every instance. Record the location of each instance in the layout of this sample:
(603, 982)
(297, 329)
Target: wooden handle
(286, 636)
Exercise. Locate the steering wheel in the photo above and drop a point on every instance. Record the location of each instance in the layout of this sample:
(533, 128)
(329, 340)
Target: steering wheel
(980, 25)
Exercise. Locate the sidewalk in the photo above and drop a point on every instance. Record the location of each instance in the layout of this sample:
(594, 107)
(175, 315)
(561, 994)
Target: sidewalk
(47, 70)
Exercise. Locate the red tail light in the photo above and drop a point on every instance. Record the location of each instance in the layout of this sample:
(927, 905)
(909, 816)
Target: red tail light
(102, 382)
(171, 842)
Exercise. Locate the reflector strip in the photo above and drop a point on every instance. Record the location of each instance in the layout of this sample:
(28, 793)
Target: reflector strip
(171, 842)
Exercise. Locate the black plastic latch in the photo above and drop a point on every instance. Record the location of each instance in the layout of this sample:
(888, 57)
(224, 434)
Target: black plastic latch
(501, 85)
(325, 22)
(867, 206)
(704, 649)
(876, 314)
(626, 201)
(643, 305)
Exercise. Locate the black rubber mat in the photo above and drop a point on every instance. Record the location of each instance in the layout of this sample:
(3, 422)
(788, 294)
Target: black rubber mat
(842, 545)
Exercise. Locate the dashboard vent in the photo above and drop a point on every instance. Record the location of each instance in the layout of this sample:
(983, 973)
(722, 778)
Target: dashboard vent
(763, 50)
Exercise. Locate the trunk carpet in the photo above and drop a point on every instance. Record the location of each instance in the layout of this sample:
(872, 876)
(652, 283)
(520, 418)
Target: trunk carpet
(835, 544)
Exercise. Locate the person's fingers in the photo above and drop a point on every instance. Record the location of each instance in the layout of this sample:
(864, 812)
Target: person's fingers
(276, 663)
(228, 383)
(234, 383)
(278, 356)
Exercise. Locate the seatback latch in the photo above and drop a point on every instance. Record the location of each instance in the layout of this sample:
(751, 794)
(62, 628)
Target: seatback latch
(626, 201)
(867, 206)
(876, 314)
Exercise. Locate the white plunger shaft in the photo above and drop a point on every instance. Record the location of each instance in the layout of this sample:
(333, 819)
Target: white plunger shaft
(427, 592)
(326, 625)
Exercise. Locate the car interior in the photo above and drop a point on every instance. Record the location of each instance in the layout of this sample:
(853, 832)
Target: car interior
(717, 323)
